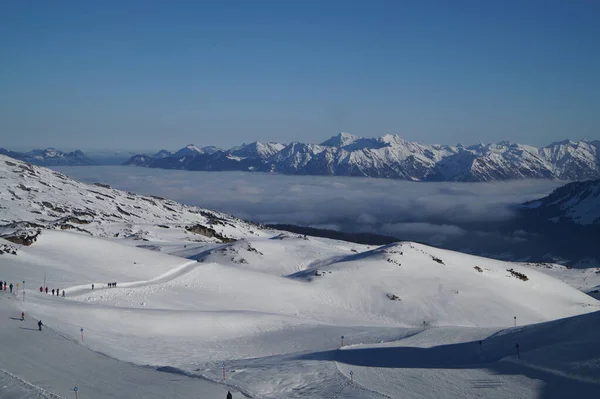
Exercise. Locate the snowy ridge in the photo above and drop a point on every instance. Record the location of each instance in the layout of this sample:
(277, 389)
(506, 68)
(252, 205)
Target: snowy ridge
(577, 202)
(390, 156)
(196, 288)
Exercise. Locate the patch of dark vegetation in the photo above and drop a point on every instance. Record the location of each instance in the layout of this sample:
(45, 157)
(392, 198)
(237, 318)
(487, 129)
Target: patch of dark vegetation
(150, 247)
(320, 273)
(123, 211)
(103, 185)
(158, 198)
(212, 218)
(163, 226)
(438, 260)
(60, 176)
(518, 275)
(8, 249)
(170, 209)
(84, 212)
(394, 297)
(53, 207)
(10, 163)
(76, 220)
(359, 238)
(27, 167)
(207, 232)
(14, 195)
(23, 187)
(283, 236)
(149, 200)
(394, 262)
(102, 194)
(479, 269)
(23, 237)
(250, 248)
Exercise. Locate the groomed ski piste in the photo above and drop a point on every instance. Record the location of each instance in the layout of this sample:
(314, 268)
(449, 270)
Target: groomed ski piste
(262, 313)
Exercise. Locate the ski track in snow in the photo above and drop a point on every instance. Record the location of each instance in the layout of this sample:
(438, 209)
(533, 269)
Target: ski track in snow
(13, 386)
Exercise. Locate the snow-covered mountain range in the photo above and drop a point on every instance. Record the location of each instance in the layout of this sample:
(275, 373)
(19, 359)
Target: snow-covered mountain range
(50, 157)
(392, 157)
(206, 302)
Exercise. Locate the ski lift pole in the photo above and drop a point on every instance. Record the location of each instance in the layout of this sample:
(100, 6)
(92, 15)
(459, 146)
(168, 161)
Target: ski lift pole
(23, 290)
(223, 367)
(342, 340)
(75, 389)
(81, 330)
(351, 377)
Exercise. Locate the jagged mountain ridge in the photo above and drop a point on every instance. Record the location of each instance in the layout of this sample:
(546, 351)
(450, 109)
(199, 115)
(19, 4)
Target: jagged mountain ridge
(390, 156)
(50, 157)
(577, 202)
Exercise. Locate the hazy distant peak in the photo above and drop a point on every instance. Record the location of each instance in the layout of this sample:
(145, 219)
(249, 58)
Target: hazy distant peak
(340, 140)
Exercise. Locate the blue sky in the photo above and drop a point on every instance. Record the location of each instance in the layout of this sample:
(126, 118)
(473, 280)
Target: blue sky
(161, 74)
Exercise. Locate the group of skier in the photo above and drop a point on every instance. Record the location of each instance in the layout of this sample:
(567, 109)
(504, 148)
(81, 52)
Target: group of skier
(109, 285)
(4, 285)
(53, 291)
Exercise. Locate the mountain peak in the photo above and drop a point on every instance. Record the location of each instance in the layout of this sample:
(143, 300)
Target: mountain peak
(340, 140)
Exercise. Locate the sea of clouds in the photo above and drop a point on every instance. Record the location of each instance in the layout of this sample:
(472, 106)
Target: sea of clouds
(428, 212)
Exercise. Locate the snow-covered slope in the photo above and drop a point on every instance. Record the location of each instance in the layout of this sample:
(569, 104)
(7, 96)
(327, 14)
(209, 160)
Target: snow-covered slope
(586, 280)
(49, 199)
(196, 288)
(393, 157)
(577, 202)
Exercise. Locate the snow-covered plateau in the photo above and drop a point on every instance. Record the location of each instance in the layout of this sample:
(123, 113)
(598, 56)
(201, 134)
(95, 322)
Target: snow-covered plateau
(205, 303)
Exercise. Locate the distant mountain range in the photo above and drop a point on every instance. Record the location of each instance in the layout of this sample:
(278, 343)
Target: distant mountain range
(346, 155)
(391, 157)
(50, 157)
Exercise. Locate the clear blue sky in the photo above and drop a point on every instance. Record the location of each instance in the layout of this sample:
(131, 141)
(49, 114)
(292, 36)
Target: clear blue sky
(162, 74)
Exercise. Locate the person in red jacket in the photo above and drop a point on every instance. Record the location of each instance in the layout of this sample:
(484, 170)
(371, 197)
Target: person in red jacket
(46, 290)
(22, 316)
(41, 289)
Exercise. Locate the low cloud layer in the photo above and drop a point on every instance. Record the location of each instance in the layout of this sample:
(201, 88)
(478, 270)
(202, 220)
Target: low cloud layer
(430, 212)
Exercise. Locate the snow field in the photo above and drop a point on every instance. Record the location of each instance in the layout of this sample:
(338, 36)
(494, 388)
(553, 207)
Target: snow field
(279, 332)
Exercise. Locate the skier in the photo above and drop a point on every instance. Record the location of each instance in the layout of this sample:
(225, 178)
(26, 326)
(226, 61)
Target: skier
(46, 290)
(63, 293)
(10, 286)
(52, 291)
(92, 286)
(41, 289)
(22, 316)
(40, 324)
(229, 396)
